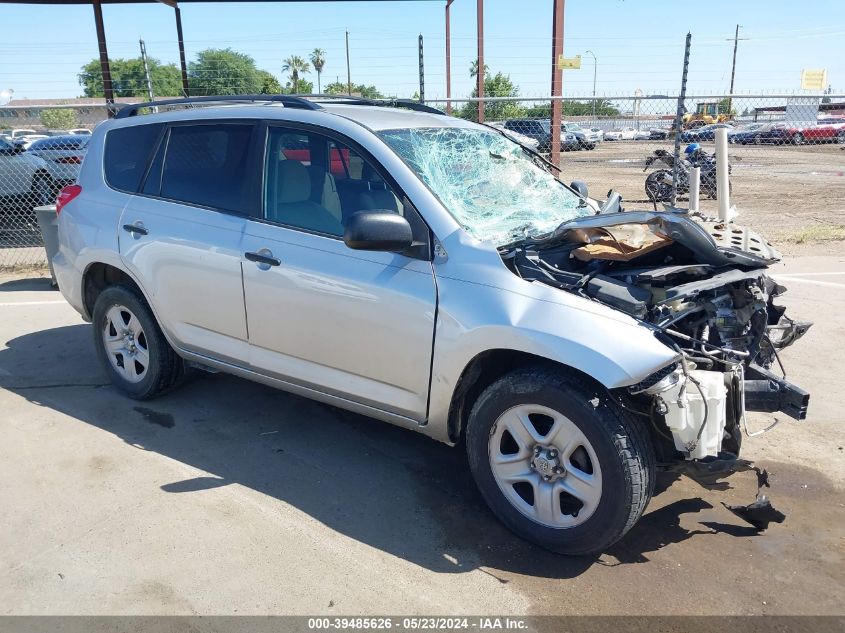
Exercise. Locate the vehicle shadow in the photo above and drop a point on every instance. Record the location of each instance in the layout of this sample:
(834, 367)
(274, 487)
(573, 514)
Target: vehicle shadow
(28, 284)
(387, 487)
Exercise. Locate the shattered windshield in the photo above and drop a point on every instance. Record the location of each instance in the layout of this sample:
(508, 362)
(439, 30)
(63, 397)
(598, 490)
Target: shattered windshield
(489, 184)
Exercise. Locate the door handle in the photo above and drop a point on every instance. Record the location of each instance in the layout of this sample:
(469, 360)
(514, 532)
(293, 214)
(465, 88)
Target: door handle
(263, 256)
(135, 229)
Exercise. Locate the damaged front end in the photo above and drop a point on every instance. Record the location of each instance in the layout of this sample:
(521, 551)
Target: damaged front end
(704, 289)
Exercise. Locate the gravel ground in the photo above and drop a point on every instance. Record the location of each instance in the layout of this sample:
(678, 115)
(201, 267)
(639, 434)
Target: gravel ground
(227, 497)
(780, 190)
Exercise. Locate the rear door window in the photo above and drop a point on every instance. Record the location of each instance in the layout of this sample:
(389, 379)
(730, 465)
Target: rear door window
(207, 165)
(127, 153)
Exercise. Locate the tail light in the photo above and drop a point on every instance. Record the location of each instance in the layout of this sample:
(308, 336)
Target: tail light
(66, 195)
(70, 160)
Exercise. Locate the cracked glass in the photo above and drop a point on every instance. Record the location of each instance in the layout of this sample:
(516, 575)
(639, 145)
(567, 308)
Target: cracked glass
(494, 188)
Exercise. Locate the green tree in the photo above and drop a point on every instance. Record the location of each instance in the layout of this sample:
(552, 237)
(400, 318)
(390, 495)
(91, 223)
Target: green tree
(222, 71)
(318, 61)
(473, 69)
(269, 84)
(498, 85)
(358, 90)
(59, 118)
(295, 65)
(573, 108)
(725, 107)
(304, 87)
(129, 80)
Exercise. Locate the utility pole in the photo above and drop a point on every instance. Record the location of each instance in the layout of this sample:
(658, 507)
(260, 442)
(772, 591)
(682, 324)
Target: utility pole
(448, 60)
(146, 70)
(557, 80)
(595, 74)
(422, 72)
(480, 75)
(348, 72)
(679, 117)
(736, 39)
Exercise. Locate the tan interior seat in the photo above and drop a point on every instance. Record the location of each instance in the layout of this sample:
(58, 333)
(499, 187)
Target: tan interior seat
(293, 203)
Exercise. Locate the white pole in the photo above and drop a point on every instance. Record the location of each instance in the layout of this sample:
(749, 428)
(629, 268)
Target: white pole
(695, 179)
(723, 194)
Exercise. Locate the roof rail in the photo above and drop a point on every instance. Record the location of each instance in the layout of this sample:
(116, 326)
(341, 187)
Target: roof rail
(387, 103)
(288, 101)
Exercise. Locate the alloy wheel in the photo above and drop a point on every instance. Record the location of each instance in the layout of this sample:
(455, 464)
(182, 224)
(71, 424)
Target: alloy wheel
(545, 466)
(126, 344)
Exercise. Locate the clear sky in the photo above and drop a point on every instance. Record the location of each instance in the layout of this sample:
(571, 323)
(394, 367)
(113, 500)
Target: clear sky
(638, 43)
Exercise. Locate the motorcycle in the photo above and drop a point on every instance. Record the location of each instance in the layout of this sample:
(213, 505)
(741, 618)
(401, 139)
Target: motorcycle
(659, 185)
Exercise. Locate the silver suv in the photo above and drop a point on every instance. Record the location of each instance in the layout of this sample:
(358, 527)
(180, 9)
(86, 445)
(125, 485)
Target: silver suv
(432, 273)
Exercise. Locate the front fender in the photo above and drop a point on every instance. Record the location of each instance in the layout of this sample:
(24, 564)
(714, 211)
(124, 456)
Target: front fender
(605, 344)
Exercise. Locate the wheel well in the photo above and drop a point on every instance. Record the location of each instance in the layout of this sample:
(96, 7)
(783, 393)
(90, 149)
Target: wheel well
(100, 276)
(484, 370)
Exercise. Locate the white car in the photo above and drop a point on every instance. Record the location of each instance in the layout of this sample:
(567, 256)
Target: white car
(62, 156)
(599, 131)
(25, 177)
(26, 141)
(625, 134)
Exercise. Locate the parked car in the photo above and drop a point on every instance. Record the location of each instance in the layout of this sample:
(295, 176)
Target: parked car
(780, 134)
(522, 139)
(540, 130)
(659, 134)
(63, 156)
(745, 134)
(26, 142)
(599, 131)
(703, 133)
(827, 130)
(621, 134)
(18, 133)
(79, 131)
(459, 290)
(25, 180)
(586, 138)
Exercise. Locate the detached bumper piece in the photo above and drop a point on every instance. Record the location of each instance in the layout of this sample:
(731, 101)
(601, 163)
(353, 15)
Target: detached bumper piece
(764, 391)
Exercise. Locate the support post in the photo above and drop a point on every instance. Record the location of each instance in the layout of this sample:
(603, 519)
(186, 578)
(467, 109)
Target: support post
(557, 80)
(723, 193)
(679, 117)
(480, 75)
(422, 72)
(448, 60)
(108, 91)
(695, 180)
(185, 89)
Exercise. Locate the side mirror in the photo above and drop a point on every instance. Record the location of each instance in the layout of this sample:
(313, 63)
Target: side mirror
(581, 187)
(378, 230)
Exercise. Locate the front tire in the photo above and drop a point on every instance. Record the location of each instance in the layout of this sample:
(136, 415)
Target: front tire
(131, 345)
(558, 462)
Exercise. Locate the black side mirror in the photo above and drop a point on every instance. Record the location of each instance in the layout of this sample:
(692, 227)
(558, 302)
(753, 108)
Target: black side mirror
(580, 187)
(377, 230)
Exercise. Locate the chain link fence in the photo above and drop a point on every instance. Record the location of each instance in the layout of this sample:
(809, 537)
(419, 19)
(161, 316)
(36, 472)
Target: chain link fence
(787, 156)
(34, 165)
(786, 152)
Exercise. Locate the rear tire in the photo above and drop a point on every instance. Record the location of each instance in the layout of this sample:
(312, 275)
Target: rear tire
(575, 477)
(840, 138)
(131, 346)
(798, 139)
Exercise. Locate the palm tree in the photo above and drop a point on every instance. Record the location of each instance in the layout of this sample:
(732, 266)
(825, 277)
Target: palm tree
(295, 65)
(318, 60)
(473, 69)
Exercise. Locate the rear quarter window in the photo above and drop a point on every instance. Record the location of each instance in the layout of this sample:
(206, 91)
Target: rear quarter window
(127, 153)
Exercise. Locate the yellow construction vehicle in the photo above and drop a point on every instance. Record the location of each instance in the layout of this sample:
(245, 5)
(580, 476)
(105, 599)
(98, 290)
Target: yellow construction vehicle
(707, 112)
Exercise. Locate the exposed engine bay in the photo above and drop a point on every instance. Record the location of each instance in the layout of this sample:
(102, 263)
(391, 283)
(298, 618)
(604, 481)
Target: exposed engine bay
(703, 287)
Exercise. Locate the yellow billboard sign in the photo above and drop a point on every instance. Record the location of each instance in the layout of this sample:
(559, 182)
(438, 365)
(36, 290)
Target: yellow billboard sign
(568, 63)
(814, 79)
